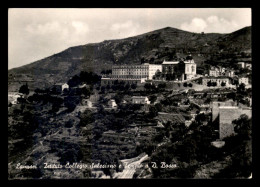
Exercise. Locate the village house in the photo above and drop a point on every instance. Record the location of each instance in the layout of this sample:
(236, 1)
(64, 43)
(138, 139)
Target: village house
(87, 103)
(226, 112)
(217, 80)
(243, 80)
(59, 87)
(229, 73)
(226, 115)
(12, 98)
(248, 66)
(241, 64)
(140, 100)
(112, 103)
(214, 72)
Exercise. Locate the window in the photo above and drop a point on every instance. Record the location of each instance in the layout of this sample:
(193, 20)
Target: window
(192, 68)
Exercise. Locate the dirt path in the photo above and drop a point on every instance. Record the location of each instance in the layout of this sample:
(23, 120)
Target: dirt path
(130, 167)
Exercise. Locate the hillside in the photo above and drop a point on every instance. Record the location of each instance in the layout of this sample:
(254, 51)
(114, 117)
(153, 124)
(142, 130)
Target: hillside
(153, 47)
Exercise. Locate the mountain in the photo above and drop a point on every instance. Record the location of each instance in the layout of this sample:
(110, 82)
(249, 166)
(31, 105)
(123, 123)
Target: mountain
(153, 47)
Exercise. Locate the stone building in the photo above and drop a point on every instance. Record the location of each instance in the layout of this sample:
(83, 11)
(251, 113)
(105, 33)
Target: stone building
(215, 107)
(225, 113)
(112, 103)
(243, 80)
(140, 100)
(241, 64)
(142, 71)
(179, 70)
(213, 73)
(217, 80)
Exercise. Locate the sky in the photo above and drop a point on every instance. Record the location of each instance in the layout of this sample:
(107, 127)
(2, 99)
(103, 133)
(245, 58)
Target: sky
(36, 33)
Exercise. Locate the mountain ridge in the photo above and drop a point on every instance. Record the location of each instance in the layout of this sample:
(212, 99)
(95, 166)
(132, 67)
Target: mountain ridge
(152, 47)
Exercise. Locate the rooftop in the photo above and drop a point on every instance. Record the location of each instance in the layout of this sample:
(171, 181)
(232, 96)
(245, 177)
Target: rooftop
(170, 62)
(220, 77)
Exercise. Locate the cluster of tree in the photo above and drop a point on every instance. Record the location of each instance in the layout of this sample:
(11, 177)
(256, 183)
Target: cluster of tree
(24, 89)
(211, 83)
(241, 95)
(239, 148)
(71, 102)
(119, 86)
(47, 98)
(152, 88)
(184, 148)
(186, 84)
(109, 71)
(84, 77)
(154, 109)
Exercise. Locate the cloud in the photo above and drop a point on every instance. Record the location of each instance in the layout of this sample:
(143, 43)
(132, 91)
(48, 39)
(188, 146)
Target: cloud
(196, 25)
(210, 24)
(125, 29)
(80, 27)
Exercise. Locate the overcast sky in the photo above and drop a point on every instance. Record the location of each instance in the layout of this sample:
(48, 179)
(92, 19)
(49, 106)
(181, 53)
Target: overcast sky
(34, 34)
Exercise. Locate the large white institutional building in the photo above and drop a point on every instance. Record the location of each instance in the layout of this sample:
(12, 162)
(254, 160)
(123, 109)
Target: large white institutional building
(179, 70)
(143, 71)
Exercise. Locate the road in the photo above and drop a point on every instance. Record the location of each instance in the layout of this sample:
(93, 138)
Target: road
(130, 166)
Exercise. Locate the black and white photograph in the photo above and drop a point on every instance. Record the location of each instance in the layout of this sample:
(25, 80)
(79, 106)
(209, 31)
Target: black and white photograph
(129, 93)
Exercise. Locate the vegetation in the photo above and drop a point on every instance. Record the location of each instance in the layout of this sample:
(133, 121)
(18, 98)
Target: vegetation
(24, 89)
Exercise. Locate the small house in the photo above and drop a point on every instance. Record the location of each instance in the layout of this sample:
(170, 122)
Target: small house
(140, 100)
(112, 103)
(59, 87)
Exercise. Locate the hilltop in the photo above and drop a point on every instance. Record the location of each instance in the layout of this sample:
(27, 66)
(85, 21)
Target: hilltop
(153, 47)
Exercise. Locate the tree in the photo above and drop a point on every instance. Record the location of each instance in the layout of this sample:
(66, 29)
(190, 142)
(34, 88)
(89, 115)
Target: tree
(190, 84)
(153, 98)
(153, 111)
(223, 84)
(209, 84)
(243, 126)
(213, 84)
(147, 86)
(133, 86)
(162, 85)
(24, 89)
(241, 89)
(185, 84)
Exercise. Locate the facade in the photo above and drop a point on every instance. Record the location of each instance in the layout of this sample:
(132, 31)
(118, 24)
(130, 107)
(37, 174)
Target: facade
(112, 103)
(140, 100)
(183, 70)
(59, 87)
(218, 80)
(213, 73)
(241, 64)
(130, 71)
(142, 71)
(226, 112)
(248, 66)
(153, 68)
(226, 115)
(215, 107)
(190, 69)
(243, 80)
(229, 73)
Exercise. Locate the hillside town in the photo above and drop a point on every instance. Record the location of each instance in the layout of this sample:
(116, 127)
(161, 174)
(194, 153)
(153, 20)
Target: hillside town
(136, 115)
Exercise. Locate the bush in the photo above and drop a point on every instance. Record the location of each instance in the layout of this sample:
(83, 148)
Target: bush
(24, 89)
(69, 123)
